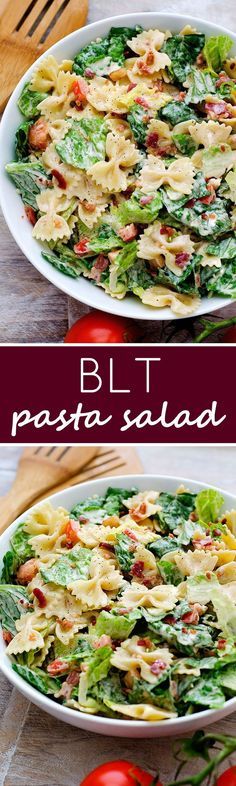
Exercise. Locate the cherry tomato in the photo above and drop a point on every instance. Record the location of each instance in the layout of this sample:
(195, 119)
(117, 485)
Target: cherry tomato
(72, 531)
(229, 336)
(99, 328)
(119, 773)
(228, 778)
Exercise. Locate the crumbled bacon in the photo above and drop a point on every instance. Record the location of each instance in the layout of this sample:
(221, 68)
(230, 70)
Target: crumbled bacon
(138, 513)
(181, 95)
(145, 200)
(107, 546)
(222, 79)
(89, 73)
(182, 258)
(81, 248)
(221, 643)
(191, 617)
(31, 214)
(128, 233)
(169, 619)
(138, 568)
(193, 516)
(218, 108)
(130, 534)
(203, 543)
(99, 266)
(60, 178)
(152, 139)
(57, 666)
(142, 102)
(200, 61)
(7, 636)
(67, 686)
(169, 231)
(131, 86)
(190, 203)
(145, 643)
(157, 667)
(104, 641)
(80, 89)
(65, 624)
(72, 532)
(207, 200)
(39, 595)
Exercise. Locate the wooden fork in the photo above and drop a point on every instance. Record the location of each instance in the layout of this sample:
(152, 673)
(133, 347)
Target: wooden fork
(28, 28)
(38, 470)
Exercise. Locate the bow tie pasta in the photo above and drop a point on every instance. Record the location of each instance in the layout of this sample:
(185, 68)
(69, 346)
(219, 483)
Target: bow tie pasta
(126, 603)
(138, 130)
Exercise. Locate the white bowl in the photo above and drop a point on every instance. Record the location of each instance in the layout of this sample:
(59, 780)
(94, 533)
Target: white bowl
(109, 726)
(12, 206)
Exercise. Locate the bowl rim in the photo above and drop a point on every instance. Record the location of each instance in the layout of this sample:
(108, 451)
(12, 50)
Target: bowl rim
(103, 723)
(65, 284)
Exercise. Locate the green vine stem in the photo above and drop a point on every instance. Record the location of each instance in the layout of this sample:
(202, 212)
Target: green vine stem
(229, 746)
(209, 327)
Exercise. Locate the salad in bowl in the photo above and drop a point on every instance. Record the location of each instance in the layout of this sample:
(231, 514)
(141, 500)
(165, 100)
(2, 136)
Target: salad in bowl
(123, 607)
(125, 160)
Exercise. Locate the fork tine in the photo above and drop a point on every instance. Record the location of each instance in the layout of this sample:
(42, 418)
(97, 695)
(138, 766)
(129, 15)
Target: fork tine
(45, 21)
(35, 11)
(12, 14)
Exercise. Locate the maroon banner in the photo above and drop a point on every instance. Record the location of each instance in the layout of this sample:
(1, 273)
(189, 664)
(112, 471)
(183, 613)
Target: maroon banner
(117, 394)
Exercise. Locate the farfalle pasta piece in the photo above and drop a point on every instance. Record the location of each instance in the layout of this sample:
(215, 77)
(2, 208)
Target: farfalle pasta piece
(181, 305)
(146, 712)
(111, 174)
(230, 67)
(230, 518)
(208, 260)
(209, 133)
(227, 573)
(156, 246)
(151, 61)
(104, 96)
(103, 576)
(45, 75)
(179, 175)
(46, 526)
(52, 225)
(194, 562)
(90, 212)
(161, 597)
(136, 659)
(142, 505)
(29, 635)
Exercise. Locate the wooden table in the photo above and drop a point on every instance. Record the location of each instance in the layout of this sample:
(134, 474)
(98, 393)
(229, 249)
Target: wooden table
(32, 309)
(35, 749)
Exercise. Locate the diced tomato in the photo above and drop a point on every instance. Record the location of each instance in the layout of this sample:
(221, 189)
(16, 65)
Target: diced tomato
(60, 178)
(191, 617)
(31, 214)
(80, 90)
(128, 233)
(38, 134)
(57, 666)
(42, 601)
(142, 102)
(81, 248)
(72, 531)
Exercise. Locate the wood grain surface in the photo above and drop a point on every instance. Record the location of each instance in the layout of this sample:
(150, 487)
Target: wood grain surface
(35, 749)
(32, 309)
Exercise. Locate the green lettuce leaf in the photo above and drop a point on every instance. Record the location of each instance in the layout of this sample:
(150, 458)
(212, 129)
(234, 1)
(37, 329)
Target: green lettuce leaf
(104, 240)
(126, 258)
(225, 611)
(223, 281)
(201, 83)
(21, 140)
(29, 178)
(216, 50)
(169, 572)
(84, 144)
(227, 678)
(225, 249)
(20, 551)
(13, 603)
(183, 51)
(162, 546)
(199, 588)
(119, 627)
(215, 161)
(146, 692)
(188, 640)
(29, 101)
(106, 55)
(177, 112)
(99, 665)
(208, 505)
(184, 143)
(138, 118)
(207, 693)
(132, 211)
(38, 679)
(124, 551)
(114, 499)
(64, 260)
(175, 509)
(69, 567)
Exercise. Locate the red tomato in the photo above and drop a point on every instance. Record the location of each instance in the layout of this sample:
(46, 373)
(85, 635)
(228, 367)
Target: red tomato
(99, 328)
(228, 778)
(229, 336)
(72, 531)
(119, 773)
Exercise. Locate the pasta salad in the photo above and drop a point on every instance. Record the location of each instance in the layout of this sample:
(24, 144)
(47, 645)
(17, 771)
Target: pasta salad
(126, 165)
(126, 605)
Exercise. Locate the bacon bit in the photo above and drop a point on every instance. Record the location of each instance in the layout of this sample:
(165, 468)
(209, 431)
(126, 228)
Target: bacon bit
(68, 544)
(193, 516)
(131, 86)
(38, 134)
(191, 617)
(67, 687)
(145, 200)
(216, 532)
(182, 259)
(145, 643)
(181, 95)
(221, 644)
(107, 546)
(185, 630)
(81, 248)
(130, 534)
(200, 61)
(157, 667)
(224, 521)
(169, 619)
(207, 200)
(208, 575)
(7, 636)
(104, 641)
(42, 601)
(142, 102)
(99, 266)
(60, 178)
(72, 531)
(167, 231)
(57, 666)
(218, 108)
(128, 232)
(89, 73)
(197, 607)
(222, 78)
(137, 514)
(152, 140)
(138, 568)
(83, 519)
(65, 624)
(89, 206)
(159, 85)
(73, 678)
(202, 543)
(27, 571)
(31, 214)
(191, 203)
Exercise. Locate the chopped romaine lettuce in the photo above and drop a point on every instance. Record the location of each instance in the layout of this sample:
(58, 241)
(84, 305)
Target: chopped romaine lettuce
(29, 101)
(85, 143)
(223, 281)
(169, 572)
(21, 140)
(14, 601)
(177, 112)
(38, 679)
(138, 117)
(217, 160)
(183, 51)
(134, 211)
(175, 509)
(30, 178)
(117, 626)
(208, 505)
(184, 143)
(124, 551)
(225, 249)
(99, 665)
(216, 50)
(205, 692)
(108, 51)
(201, 83)
(68, 567)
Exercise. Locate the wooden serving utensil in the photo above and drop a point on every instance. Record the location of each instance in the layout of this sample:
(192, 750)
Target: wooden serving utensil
(27, 29)
(108, 461)
(38, 470)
